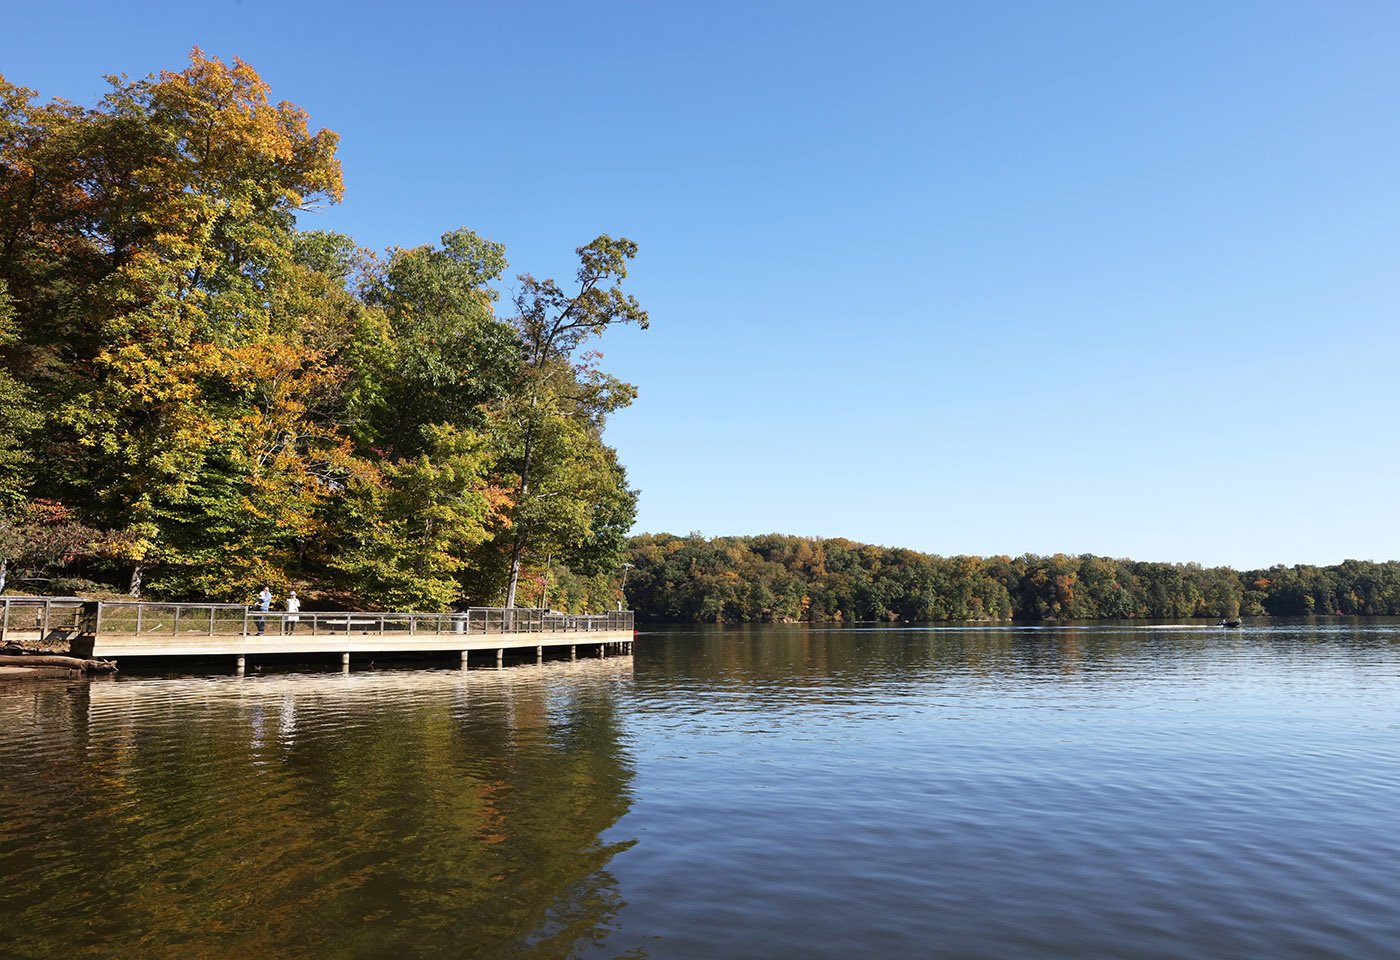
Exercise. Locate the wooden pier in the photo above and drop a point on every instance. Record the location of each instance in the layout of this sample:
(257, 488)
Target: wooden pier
(125, 629)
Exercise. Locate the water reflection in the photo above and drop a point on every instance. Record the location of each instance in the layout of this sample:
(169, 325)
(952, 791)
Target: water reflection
(428, 813)
(836, 655)
(1099, 790)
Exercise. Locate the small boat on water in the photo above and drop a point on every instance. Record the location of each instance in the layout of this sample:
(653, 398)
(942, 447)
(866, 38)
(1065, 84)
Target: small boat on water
(1231, 623)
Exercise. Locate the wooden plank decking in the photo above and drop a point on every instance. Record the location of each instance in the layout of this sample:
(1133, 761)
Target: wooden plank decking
(110, 646)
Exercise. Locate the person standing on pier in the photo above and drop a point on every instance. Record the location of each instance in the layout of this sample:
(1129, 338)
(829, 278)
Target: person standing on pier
(264, 604)
(293, 608)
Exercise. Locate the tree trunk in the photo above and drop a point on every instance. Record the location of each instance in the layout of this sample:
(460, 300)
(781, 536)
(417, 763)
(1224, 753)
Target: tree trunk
(515, 553)
(138, 570)
(4, 572)
(519, 547)
(72, 663)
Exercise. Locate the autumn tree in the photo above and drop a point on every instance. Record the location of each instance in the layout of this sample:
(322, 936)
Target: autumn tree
(167, 212)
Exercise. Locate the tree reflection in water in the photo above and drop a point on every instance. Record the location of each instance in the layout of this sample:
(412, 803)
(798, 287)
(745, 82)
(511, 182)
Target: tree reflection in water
(421, 813)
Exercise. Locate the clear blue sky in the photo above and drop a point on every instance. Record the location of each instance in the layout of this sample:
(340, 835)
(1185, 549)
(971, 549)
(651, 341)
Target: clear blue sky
(980, 277)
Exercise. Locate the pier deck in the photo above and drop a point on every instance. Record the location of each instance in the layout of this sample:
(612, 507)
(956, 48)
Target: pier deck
(111, 630)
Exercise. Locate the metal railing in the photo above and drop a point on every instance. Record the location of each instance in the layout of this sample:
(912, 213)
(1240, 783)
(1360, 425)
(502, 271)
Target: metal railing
(44, 621)
(145, 619)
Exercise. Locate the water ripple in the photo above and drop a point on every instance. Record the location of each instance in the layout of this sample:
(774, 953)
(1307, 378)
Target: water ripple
(1165, 792)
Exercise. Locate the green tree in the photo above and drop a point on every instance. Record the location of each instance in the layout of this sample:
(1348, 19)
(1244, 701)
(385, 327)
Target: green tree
(446, 354)
(569, 490)
(21, 418)
(409, 530)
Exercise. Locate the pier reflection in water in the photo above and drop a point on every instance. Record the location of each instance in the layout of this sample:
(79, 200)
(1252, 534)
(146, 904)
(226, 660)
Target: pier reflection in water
(415, 813)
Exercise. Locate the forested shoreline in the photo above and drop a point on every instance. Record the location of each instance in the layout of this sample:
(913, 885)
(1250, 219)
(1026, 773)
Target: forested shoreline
(201, 396)
(777, 578)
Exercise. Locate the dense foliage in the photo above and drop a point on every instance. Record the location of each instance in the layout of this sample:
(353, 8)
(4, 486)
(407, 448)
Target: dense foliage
(782, 578)
(201, 396)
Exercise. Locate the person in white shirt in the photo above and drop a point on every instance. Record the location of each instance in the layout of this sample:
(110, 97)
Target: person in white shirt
(293, 608)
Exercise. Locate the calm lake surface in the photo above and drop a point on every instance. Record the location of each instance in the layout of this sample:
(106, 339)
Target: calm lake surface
(1096, 791)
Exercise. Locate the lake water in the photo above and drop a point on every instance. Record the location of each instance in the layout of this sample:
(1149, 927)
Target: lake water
(1096, 791)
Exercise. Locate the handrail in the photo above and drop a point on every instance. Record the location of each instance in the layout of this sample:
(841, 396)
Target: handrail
(49, 618)
(162, 603)
(64, 617)
(146, 618)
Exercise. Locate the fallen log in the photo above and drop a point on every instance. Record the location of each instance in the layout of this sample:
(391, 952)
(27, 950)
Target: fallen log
(72, 663)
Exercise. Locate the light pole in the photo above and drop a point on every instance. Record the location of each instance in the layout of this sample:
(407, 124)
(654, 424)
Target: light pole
(625, 568)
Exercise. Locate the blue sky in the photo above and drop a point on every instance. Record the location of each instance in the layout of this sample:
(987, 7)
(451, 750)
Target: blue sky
(993, 277)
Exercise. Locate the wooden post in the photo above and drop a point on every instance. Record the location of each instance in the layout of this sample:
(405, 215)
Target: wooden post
(464, 659)
(500, 656)
(345, 661)
(573, 653)
(539, 654)
(238, 665)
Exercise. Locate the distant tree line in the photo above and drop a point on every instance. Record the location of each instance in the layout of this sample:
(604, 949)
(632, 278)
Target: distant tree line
(198, 396)
(775, 578)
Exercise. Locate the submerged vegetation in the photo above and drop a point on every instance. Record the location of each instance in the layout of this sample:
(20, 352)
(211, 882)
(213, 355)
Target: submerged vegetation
(782, 578)
(200, 396)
